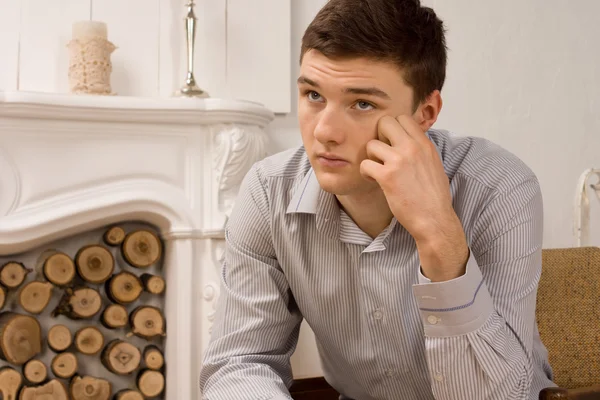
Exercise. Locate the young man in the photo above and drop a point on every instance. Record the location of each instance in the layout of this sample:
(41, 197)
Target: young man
(413, 254)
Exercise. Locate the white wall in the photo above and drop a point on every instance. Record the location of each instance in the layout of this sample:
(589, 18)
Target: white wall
(523, 73)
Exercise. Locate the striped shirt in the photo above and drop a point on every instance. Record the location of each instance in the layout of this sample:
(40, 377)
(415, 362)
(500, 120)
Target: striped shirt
(383, 331)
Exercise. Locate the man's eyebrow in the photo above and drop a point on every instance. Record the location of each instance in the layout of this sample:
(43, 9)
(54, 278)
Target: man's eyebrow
(370, 91)
(303, 79)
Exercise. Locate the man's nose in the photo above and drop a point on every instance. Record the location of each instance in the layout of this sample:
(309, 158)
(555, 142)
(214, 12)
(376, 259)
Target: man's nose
(330, 127)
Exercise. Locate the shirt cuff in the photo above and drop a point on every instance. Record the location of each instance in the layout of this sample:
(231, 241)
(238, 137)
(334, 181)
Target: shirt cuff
(455, 307)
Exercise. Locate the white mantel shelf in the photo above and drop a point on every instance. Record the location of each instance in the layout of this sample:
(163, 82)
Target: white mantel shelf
(179, 110)
(73, 163)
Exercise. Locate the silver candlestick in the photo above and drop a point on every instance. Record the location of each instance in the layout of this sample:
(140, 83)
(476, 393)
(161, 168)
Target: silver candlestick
(190, 88)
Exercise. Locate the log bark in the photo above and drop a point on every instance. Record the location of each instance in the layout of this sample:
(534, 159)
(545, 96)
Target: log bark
(150, 383)
(120, 357)
(153, 358)
(141, 248)
(53, 390)
(20, 337)
(128, 394)
(147, 322)
(64, 365)
(114, 316)
(35, 371)
(90, 388)
(10, 383)
(35, 296)
(59, 338)
(13, 274)
(124, 288)
(95, 263)
(79, 303)
(114, 236)
(89, 340)
(153, 284)
(57, 267)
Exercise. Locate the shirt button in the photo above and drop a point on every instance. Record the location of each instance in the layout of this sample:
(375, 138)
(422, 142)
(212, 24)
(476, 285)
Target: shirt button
(390, 373)
(432, 319)
(377, 314)
(438, 377)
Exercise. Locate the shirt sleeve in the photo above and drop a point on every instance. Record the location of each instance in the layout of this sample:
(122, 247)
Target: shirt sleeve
(479, 327)
(257, 323)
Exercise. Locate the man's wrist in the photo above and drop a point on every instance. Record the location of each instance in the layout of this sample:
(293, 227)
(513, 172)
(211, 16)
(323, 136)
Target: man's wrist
(443, 258)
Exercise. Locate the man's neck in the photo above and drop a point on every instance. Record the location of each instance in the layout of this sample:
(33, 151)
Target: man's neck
(369, 211)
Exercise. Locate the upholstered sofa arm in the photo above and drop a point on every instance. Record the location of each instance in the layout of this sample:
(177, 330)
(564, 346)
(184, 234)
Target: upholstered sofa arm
(588, 393)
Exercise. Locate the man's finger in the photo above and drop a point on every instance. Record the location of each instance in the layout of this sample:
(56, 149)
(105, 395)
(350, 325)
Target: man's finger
(379, 151)
(412, 128)
(391, 132)
(370, 169)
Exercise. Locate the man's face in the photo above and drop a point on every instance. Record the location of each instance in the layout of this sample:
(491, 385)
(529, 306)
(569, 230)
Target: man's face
(340, 102)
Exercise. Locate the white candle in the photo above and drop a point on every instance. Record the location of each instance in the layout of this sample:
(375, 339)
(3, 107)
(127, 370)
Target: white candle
(85, 30)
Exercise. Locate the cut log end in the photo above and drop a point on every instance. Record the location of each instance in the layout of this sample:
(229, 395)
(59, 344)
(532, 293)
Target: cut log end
(124, 288)
(2, 297)
(95, 263)
(114, 316)
(151, 383)
(35, 371)
(13, 274)
(89, 340)
(141, 248)
(35, 296)
(128, 394)
(20, 338)
(153, 284)
(79, 303)
(153, 358)
(120, 357)
(64, 365)
(59, 269)
(114, 236)
(53, 390)
(147, 322)
(90, 388)
(59, 338)
(10, 382)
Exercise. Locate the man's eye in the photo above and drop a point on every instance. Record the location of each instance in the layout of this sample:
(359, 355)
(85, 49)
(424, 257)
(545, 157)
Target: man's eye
(364, 106)
(314, 96)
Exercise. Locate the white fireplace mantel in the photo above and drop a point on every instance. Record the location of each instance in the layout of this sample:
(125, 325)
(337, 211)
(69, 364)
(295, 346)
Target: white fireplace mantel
(69, 164)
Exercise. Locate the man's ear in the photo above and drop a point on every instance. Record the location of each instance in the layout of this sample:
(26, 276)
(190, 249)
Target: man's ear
(428, 111)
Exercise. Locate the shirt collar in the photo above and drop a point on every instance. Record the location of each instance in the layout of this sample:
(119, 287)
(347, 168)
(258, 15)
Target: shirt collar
(310, 198)
(306, 195)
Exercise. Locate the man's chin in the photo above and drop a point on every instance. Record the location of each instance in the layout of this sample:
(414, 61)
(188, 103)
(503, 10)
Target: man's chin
(339, 184)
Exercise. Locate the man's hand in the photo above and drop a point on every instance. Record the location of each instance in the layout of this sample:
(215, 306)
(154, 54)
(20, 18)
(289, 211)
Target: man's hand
(407, 167)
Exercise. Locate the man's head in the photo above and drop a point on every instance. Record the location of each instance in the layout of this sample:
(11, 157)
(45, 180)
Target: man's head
(361, 60)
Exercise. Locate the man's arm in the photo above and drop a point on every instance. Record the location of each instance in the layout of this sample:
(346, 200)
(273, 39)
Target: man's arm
(479, 326)
(257, 323)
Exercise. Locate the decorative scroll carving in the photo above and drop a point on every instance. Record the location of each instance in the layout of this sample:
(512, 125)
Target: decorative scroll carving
(211, 290)
(10, 187)
(211, 296)
(237, 148)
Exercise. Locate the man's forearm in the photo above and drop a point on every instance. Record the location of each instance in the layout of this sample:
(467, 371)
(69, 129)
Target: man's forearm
(471, 351)
(241, 381)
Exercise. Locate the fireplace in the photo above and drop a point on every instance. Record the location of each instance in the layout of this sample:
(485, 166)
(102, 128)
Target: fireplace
(72, 167)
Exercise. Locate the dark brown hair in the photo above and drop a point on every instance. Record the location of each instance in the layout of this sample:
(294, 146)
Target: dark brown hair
(398, 31)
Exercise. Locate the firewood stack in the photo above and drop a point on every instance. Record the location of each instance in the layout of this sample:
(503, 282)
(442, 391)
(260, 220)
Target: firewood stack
(100, 308)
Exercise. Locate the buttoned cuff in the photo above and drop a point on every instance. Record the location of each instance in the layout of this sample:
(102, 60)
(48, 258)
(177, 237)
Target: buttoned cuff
(455, 307)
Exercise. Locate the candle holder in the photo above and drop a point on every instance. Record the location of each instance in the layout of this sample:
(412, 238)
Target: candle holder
(190, 89)
(90, 65)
